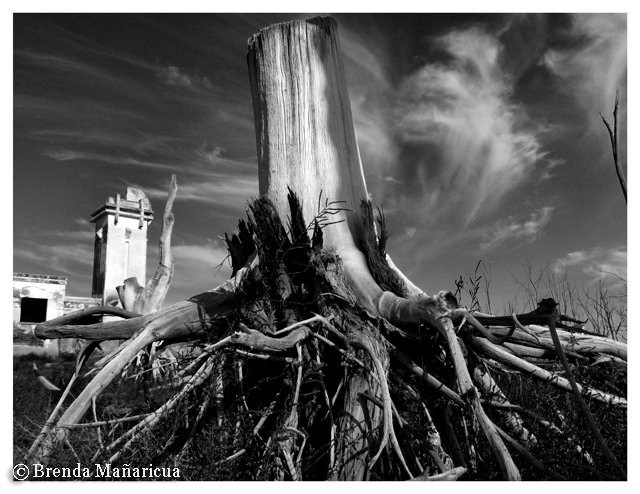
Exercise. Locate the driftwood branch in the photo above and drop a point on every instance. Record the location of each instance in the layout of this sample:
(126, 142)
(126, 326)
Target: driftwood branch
(453, 474)
(499, 354)
(577, 393)
(509, 418)
(470, 393)
(185, 319)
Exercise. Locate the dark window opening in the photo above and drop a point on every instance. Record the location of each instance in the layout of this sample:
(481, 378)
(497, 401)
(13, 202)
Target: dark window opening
(33, 309)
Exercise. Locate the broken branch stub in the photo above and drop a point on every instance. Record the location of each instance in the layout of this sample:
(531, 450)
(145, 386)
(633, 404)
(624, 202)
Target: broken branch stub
(148, 299)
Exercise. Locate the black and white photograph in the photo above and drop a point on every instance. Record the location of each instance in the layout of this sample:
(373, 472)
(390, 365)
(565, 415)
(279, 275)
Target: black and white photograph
(319, 246)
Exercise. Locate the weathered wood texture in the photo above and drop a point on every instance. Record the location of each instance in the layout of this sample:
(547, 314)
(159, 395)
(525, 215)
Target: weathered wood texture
(304, 128)
(306, 142)
(186, 319)
(148, 299)
(305, 135)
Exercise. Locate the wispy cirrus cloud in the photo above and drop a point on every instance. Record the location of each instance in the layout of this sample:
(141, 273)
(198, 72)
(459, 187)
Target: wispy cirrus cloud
(175, 76)
(67, 64)
(459, 112)
(371, 94)
(219, 190)
(66, 253)
(595, 64)
(513, 231)
(213, 178)
(68, 74)
(198, 267)
(598, 263)
(377, 145)
(146, 117)
(209, 158)
(73, 155)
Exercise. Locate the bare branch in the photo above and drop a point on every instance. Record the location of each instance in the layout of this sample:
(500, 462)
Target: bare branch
(615, 140)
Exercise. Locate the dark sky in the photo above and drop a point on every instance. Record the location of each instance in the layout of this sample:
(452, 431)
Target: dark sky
(479, 134)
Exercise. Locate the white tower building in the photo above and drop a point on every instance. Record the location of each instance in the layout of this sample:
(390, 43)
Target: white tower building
(120, 249)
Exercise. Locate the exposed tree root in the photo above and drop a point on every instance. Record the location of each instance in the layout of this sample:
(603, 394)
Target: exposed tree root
(490, 350)
(355, 448)
(453, 474)
(511, 420)
(289, 364)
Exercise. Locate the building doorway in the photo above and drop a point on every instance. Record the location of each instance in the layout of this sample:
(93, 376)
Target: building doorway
(33, 309)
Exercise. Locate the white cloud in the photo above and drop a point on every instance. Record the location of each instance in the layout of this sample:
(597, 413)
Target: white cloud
(70, 253)
(462, 108)
(596, 63)
(210, 158)
(526, 231)
(197, 269)
(210, 254)
(83, 222)
(371, 94)
(175, 76)
(598, 263)
(73, 155)
(377, 146)
(226, 190)
(571, 259)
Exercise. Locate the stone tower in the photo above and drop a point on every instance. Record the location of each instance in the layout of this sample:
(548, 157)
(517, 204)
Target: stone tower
(120, 249)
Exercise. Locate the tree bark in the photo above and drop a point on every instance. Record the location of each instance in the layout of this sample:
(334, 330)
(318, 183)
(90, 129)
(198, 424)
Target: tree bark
(305, 134)
(306, 142)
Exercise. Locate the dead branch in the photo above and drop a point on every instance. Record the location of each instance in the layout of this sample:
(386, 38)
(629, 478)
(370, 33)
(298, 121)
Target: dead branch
(525, 453)
(150, 299)
(510, 420)
(428, 379)
(490, 350)
(470, 393)
(186, 319)
(595, 430)
(615, 140)
(453, 474)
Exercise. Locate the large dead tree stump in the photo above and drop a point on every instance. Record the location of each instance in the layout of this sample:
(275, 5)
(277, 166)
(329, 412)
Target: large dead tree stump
(316, 304)
(306, 142)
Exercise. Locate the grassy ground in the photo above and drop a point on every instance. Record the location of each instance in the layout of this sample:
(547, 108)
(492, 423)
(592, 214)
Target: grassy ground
(32, 404)
(25, 337)
(573, 454)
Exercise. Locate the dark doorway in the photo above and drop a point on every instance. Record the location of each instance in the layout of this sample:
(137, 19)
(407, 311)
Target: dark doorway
(33, 309)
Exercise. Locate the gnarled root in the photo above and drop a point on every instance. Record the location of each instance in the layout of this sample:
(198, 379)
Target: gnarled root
(183, 320)
(293, 314)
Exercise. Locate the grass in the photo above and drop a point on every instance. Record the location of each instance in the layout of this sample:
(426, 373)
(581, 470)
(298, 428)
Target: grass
(32, 404)
(573, 454)
(605, 311)
(25, 337)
